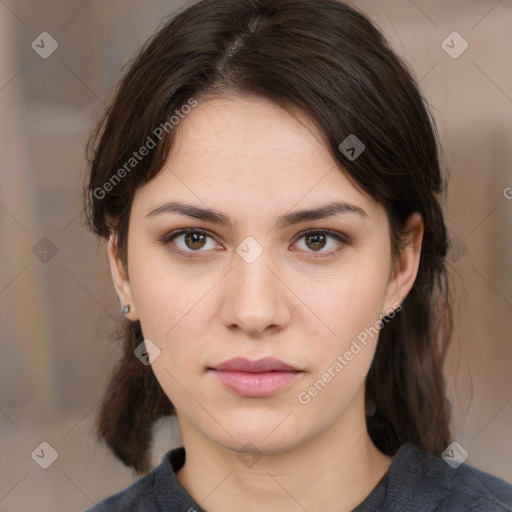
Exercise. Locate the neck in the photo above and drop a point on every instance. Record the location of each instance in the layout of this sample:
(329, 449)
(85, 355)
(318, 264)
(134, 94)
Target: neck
(335, 471)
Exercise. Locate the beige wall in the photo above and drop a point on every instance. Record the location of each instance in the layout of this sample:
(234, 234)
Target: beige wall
(55, 316)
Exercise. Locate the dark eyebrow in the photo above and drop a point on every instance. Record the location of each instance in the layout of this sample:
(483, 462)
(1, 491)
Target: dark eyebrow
(289, 219)
(319, 212)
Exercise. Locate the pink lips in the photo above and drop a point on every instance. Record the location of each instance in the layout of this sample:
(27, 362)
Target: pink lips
(255, 379)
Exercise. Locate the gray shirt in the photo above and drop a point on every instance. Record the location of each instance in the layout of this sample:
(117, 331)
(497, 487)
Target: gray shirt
(416, 482)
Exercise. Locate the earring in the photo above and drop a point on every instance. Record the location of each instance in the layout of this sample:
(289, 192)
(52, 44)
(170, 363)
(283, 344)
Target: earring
(125, 309)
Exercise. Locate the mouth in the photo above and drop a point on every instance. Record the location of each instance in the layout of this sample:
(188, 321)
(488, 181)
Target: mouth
(255, 379)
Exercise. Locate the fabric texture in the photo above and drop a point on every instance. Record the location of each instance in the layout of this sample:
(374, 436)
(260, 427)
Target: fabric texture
(416, 482)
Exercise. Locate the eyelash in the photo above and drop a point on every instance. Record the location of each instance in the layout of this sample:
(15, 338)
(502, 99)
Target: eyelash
(169, 237)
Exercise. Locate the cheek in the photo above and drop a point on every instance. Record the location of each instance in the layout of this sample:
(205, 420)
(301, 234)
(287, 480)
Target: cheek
(175, 312)
(164, 296)
(341, 358)
(174, 302)
(350, 301)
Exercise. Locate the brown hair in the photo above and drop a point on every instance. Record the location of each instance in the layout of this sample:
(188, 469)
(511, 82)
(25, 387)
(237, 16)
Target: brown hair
(327, 60)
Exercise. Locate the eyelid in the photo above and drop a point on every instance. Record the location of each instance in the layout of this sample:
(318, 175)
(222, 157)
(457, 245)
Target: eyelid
(335, 234)
(169, 237)
(340, 237)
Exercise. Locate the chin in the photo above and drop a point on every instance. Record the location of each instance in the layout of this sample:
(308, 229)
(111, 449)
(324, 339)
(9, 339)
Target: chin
(267, 434)
(259, 444)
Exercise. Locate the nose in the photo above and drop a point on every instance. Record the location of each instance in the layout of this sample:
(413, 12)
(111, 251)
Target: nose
(255, 298)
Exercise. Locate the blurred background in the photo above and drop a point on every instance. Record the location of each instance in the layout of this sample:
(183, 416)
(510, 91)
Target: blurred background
(58, 63)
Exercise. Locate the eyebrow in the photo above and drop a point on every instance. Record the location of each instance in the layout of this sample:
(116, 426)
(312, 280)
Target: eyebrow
(289, 219)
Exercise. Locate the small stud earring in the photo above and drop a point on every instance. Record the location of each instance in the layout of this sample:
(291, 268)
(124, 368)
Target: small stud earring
(125, 309)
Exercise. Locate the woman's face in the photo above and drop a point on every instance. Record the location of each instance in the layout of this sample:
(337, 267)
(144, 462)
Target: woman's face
(249, 282)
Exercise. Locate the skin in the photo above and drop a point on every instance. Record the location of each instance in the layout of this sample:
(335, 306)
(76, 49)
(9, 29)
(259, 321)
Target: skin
(253, 161)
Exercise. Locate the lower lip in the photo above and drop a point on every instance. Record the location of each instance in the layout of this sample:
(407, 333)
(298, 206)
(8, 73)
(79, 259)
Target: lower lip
(256, 385)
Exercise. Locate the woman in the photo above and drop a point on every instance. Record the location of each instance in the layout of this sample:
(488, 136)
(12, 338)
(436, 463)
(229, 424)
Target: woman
(267, 178)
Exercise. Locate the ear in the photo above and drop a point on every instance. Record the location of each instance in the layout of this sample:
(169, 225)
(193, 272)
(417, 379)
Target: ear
(120, 279)
(405, 270)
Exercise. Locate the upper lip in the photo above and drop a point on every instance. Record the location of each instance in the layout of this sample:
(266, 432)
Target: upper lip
(266, 364)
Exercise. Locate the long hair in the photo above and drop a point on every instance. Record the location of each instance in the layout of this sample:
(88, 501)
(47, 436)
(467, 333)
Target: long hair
(327, 60)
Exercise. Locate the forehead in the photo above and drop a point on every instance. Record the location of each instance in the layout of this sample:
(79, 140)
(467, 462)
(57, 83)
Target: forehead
(248, 131)
(249, 152)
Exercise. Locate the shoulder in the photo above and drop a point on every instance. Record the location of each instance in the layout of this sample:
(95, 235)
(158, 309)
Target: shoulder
(149, 493)
(138, 497)
(435, 485)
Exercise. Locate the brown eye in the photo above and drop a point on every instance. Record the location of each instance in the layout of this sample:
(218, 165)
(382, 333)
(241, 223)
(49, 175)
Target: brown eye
(189, 241)
(315, 241)
(195, 240)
